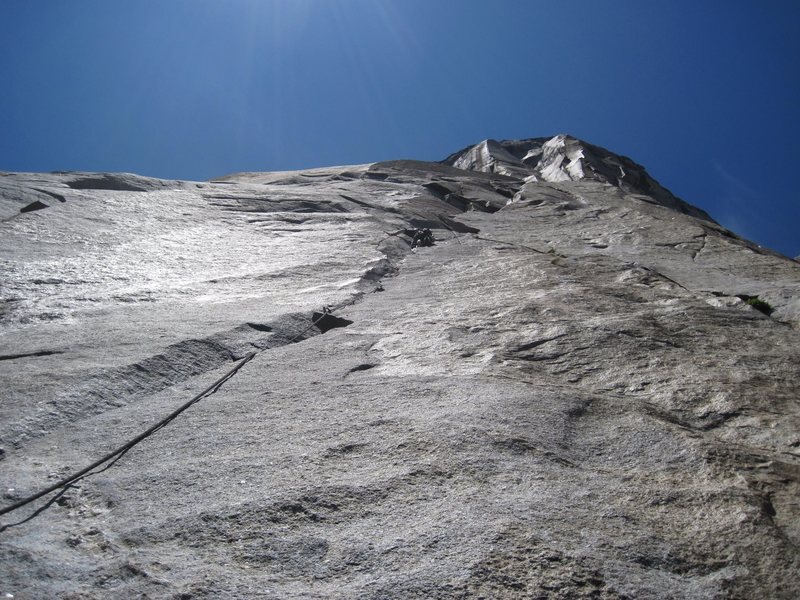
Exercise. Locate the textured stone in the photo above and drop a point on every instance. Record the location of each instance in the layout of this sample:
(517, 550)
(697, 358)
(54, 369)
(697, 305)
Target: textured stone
(564, 158)
(566, 396)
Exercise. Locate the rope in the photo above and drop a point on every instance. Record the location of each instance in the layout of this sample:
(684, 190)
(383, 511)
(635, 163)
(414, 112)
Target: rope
(69, 482)
(451, 230)
(117, 453)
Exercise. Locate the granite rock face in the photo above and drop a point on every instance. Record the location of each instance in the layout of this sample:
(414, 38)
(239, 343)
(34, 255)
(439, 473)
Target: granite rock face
(564, 158)
(576, 392)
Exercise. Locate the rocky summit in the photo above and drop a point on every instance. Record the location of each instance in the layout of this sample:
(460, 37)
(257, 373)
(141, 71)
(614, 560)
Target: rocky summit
(526, 371)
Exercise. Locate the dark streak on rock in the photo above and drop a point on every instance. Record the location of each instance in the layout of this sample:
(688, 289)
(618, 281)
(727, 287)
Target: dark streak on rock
(27, 354)
(106, 181)
(58, 197)
(37, 205)
(325, 321)
(362, 367)
(534, 344)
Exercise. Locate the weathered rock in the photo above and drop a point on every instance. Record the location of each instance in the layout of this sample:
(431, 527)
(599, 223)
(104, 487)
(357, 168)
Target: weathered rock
(564, 397)
(564, 158)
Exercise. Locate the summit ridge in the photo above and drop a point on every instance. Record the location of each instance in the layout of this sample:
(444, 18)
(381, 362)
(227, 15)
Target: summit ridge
(566, 158)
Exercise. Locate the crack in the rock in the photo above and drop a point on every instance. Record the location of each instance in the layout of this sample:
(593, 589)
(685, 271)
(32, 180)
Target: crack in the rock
(703, 238)
(361, 367)
(536, 343)
(325, 321)
(58, 197)
(111, 388)
(33, 206)
(28, 354)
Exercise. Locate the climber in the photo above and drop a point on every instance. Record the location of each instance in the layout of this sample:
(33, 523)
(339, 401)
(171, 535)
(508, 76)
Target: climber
(419, 237)
(422, 237)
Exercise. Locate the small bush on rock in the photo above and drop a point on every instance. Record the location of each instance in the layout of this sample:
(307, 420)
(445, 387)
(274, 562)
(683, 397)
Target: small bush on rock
(759, 304)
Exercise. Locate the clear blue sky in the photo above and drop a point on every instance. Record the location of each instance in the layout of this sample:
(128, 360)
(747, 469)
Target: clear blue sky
(705, 94)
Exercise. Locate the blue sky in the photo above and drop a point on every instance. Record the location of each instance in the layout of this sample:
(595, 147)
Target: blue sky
(704, 93)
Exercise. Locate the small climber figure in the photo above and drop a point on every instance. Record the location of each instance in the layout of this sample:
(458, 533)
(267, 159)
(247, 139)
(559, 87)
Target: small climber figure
(422, 237)
(419, 236)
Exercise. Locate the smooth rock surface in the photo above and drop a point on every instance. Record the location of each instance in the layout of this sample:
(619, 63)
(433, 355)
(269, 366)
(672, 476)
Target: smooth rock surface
(567, 396)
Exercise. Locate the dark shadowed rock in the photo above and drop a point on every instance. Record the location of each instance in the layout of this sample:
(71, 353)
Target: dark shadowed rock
(574, 393)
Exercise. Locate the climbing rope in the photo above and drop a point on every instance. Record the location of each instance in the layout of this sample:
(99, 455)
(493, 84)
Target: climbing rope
(68, 482)
(64, 485)
(441, 218)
